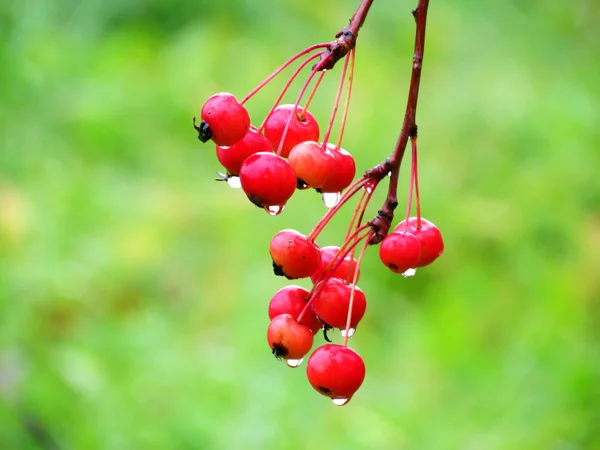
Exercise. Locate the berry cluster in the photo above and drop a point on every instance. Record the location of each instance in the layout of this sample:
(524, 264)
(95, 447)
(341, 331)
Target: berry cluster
(286, 153)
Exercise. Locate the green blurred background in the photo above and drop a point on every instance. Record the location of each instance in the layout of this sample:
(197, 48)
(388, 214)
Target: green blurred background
(134, 288)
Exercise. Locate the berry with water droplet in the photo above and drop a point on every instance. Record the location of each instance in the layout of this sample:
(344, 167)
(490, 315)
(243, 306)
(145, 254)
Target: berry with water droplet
(430, 237)
(312, 164)
(224, 120)
(234, 156)
(288, 339)
(293, 255)
(292, 300)
(344, 172)
(336, 372)
(303, 127)
(345, 269)
(332, 301)
(267, 179)
(400, 251)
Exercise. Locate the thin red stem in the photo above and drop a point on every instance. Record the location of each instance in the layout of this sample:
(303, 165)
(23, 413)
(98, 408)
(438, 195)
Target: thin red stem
(348, 193)
(312, 94)
(294, 111)
(416, 179)
(286, 87)
(333, 265)
(354, 281)
(358, 210)
(283, 67)
(347, 102)
(410, 191)
(336, 103)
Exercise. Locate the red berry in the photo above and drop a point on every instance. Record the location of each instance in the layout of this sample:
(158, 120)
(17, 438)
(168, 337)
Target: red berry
(267, 179)
(233, 157)
(336, 372)
(303, 127)
(344, 170)
(292, 300)
(313, 165)
(400, 251)
(333, 300)
(224, 120)
(294, 256)
(432, 245)
(345, 269)
(288, 339)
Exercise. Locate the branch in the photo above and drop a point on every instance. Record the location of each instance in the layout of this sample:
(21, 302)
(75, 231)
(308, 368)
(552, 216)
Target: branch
(346, 38)
(382, 222)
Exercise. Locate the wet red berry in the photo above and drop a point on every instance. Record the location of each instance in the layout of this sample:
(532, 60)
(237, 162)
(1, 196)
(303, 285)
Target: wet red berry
(288, 339)
(292, 300)
(233, 157)
(345, 270)
(336, 372)
(293, 255)
(267, 179)
(333, 300)
(313, 165)
(343, 173)
(224, 120)
(432, 244)
(400, 251)
(303, 127)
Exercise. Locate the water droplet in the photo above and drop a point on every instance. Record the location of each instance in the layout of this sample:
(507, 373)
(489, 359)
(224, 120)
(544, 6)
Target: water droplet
(294, 362)
(340, 401)
(409, 273)
(274, 210)
(234, 182)
(330, 199)
(389, 174)
(351, 332)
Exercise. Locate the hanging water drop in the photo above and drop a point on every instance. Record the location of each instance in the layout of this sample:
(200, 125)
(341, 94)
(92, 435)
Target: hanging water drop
(330, 199)
(274, 210)
(340, 401)
(293, 363)
(234, 182)
(351, 332)
(409, 273)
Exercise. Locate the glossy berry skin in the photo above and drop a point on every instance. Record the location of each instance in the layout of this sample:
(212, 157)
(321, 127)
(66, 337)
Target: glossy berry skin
(293, 255)
(332, 302)
(343, 173)
(301, 129)
(267, 179)
(288, 339)
(313, 164)
(345, 269)
(233, 157)
(224, 120)
(292, 300)
(432, 244)
(335, 371)
(400, 251)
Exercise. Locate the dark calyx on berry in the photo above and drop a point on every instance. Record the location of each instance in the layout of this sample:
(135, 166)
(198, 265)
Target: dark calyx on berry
(326, 328)
(279, 351)
(204, 133)
(323, 390)
(301, 184)
(277, 270)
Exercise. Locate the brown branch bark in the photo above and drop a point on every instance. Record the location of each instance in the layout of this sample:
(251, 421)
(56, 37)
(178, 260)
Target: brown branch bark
(346, 38)
(382, 222)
